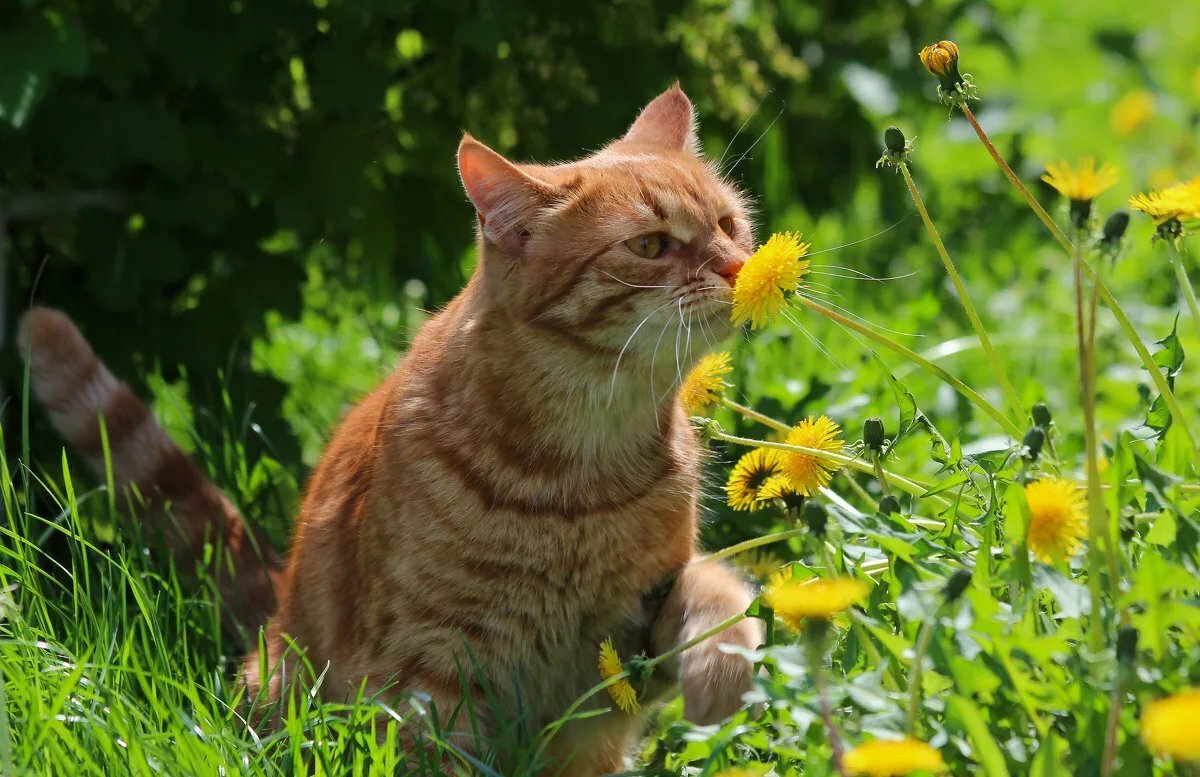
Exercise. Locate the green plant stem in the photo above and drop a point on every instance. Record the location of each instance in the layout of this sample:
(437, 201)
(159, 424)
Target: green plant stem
(754, 415)
(881, 474)
(1108, 761)
(1096, 514)
(1185, 285)
(756, 542)
(732, 620)
(871, 504)
(993, 359)
(973, 396)
(1110, 301)
(816, 659)
(914, 675)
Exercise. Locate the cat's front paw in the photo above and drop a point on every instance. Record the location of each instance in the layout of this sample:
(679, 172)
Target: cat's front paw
(714, 680)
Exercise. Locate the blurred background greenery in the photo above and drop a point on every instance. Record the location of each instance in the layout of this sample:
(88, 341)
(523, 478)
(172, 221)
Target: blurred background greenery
(248, 204)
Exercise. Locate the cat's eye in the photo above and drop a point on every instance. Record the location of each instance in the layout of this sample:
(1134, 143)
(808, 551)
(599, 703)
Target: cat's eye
(649, 246)
(726, 224)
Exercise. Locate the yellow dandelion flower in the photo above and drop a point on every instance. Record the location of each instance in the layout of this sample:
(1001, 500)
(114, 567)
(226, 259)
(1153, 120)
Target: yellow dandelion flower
(772, 272)
(750, 476)
(1084, 184)
(941, 58)
(1057, 519)
(893, 758)
(759, 564)
(744, 771)
(704, 385)
(1180, 202)
(808, 473)
(622, 693)
(1171, 726)
(796, 601)
(776, 487)
(1131, 112)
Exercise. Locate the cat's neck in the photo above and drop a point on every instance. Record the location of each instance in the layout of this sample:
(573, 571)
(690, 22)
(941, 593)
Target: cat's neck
(563, 401)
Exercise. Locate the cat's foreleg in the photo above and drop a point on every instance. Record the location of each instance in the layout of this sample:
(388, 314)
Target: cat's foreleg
(713, 681)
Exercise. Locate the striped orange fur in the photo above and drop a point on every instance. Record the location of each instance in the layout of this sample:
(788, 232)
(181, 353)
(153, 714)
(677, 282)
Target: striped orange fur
(179, 501)
(526, 478)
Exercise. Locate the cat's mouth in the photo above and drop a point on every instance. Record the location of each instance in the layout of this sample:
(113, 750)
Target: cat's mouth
(710, 301)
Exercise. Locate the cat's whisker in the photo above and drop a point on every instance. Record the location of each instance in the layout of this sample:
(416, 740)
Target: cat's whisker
(812, 338)
(678, 334)
(851, 314)
(857, 275)
(613, 383)
(823, 289)
(636, 285)
(739, 129)
(860, 240)
(756, 142)
(654, 363)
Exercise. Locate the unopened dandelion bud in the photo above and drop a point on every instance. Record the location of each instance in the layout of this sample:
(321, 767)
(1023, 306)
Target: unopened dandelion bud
(873, 434)
(1127, 642)
(955, 586)
(815, 517)
(941, 59)
(889, 505)
(895, 148)
(707, 429)
(1041, 415)
(1034, 439)
(1114, 228)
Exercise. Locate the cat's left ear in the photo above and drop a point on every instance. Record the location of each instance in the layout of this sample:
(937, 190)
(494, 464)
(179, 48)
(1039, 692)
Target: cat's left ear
(506, 198)
(668, 121)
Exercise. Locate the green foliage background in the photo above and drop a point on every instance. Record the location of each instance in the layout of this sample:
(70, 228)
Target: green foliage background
(248, 206)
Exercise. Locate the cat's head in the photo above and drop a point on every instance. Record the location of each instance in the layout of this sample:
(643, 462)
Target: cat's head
(624, 254)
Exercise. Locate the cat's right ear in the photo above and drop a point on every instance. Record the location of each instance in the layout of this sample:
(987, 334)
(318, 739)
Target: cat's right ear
(505, 198)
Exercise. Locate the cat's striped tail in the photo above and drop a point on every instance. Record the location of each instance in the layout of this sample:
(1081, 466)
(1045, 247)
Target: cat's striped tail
(174, 498)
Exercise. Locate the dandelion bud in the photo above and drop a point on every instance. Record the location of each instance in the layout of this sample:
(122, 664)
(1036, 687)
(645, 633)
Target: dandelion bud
(941, 59)
(1114, 228)
(889, 505)
(1127, 641)
(1041, 415)
(1034, 439)
(873, 434)
(815, 518)
(893, 140)
(955, 586)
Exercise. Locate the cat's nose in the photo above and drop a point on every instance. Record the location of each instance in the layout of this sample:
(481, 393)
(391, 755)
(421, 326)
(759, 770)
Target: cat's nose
(730, 268)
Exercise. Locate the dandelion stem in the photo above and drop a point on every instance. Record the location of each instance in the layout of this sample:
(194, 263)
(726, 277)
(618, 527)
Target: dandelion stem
(754, 415)
(862, 492)
(969, 307)
(1118, 312)
(1109, 760)
(973, 396)
(1185, 285)
(816, 658)
(756, 542)
(732, 620)
(1038, 210)
(882, 475)
(1097, 519)
(914, 675)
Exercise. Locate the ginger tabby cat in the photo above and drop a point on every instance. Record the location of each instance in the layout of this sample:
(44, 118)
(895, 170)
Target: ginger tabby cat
(523, 482)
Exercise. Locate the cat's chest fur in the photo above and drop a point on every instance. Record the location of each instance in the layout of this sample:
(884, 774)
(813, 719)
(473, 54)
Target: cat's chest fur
(468, 535)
